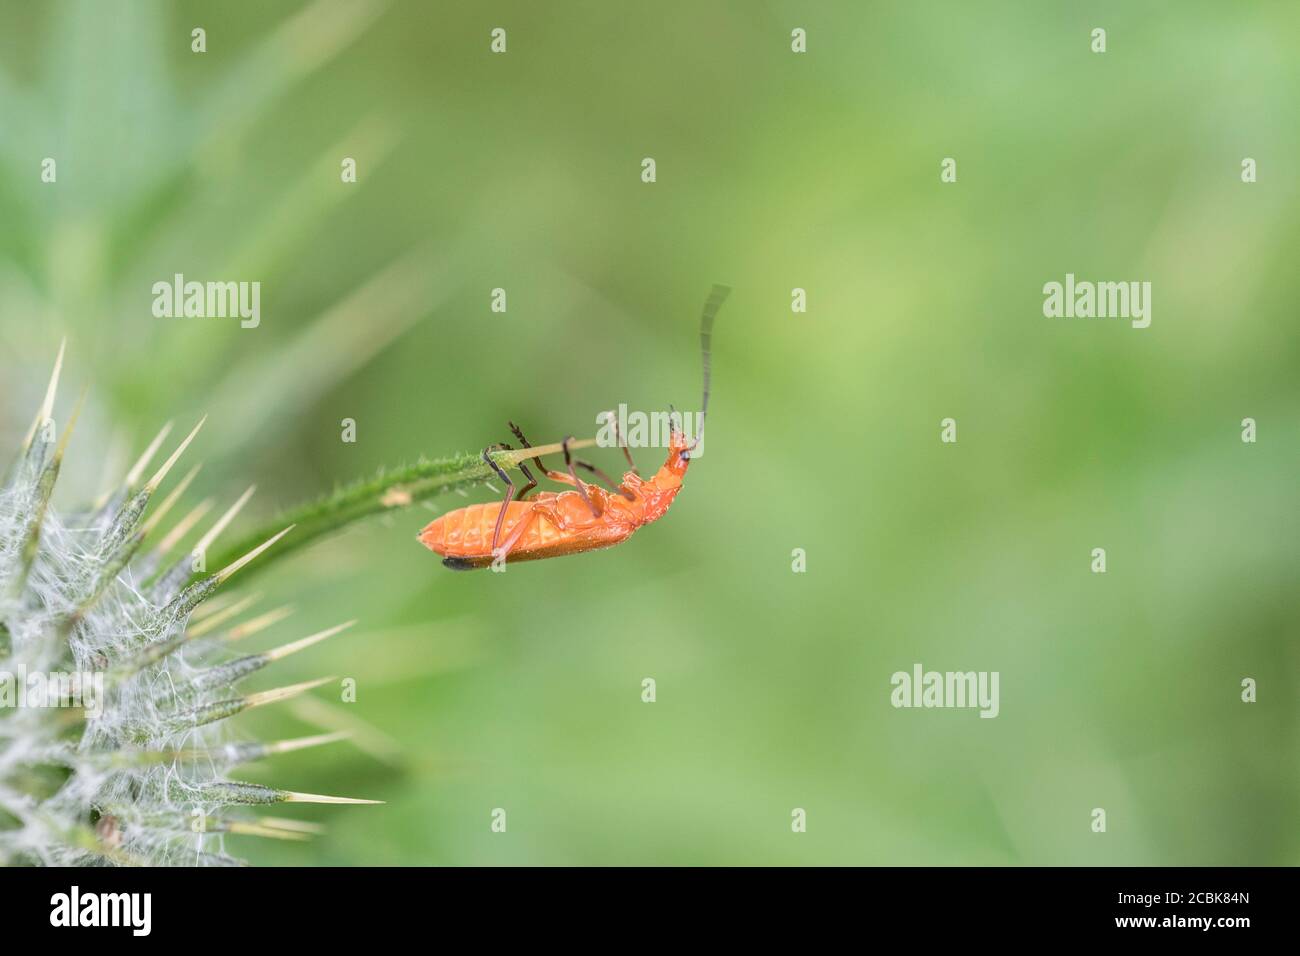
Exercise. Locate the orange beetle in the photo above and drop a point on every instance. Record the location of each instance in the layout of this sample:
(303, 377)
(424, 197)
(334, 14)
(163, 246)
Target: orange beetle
(570, 522)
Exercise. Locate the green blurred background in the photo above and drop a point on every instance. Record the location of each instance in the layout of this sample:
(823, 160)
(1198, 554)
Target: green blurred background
(775, 171)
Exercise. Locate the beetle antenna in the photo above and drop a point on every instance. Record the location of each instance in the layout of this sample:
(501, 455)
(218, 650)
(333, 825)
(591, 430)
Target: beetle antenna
(711, 306)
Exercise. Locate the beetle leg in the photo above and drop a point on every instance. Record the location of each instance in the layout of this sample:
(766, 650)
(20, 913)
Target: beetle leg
(572, 478)
(512, 539)
(582, 489)
(532, 482)
(538, 512)
(519, 433)
(510, 489)
(627, 452)
(603, 477)
(614, 486)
